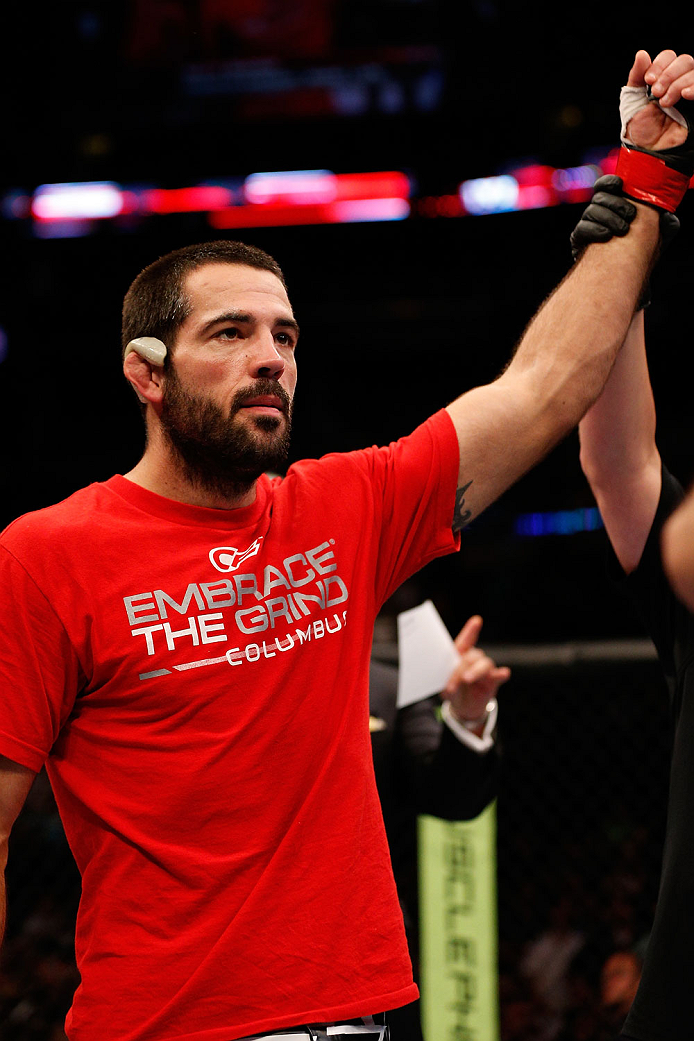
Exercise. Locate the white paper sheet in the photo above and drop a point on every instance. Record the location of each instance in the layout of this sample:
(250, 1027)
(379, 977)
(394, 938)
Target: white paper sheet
(427, 654)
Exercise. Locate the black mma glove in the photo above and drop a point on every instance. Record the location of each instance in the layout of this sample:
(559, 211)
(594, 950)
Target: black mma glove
(609, 213)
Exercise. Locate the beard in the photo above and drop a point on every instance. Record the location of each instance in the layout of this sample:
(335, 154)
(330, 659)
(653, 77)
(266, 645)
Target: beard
(218, 451)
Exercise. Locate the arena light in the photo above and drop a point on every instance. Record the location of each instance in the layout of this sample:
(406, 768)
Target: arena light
(361, 210)
(292, 188)
(201, 198)
(484, 195)
(558, 522)
(535, 190)
(575, 178)
(77, 200)
(301, 197)
(317, 197)
(531, 187)
(348, 212)
(316, 187)
(386, 184)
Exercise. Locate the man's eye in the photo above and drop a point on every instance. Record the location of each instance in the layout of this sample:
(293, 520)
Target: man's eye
(229, 334)
(286, 339)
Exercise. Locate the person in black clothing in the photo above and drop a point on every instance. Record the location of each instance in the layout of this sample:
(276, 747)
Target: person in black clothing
(446, 768)
(636, 494)
(662, 1007)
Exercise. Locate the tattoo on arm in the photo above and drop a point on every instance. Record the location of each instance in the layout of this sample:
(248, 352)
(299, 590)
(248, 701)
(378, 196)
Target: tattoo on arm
(461, 516)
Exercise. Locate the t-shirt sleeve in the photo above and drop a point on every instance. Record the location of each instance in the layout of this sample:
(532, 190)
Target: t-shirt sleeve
(669, 624)
(39, 670)
(414, 482)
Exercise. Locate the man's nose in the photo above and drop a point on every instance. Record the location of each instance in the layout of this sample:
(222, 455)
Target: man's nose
(266, 362)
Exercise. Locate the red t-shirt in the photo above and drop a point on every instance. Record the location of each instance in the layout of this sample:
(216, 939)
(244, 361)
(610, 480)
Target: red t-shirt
(196, 681)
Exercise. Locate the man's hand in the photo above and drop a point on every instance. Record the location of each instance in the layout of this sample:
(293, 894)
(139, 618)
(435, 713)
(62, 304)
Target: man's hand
(670, 78)
(476, 678)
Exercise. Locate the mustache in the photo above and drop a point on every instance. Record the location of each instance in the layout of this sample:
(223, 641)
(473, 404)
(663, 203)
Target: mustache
(260, 388)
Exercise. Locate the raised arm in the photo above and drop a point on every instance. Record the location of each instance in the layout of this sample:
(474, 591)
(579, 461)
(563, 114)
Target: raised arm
(567, 351)
(618, 450)
(15, 782)
(559, 369)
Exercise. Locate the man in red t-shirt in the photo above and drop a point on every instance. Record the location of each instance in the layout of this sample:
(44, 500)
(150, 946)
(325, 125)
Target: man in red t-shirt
(187, 646)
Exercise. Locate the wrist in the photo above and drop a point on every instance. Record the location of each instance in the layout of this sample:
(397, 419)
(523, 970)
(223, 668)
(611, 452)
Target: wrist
(649, 179)
(474, 722)
(479, 738)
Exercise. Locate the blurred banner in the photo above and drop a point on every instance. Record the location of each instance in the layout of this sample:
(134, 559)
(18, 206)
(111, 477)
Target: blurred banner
(458, 922)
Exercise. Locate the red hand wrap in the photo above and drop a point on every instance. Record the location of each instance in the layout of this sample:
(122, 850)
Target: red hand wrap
(649, 179)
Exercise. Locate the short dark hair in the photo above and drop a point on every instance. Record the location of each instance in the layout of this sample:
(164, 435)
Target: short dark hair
(156, 305)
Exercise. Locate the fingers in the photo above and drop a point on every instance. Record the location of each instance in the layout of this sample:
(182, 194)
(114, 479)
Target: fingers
(600, 221)
(469, 634)
(500, 675)
(475, 666)
(637, 72)
(607, 204)
(473, 662)
(608, 183)
(658, 65)
(476, 677)
(587, 231)
(486, 673)
(671, 77)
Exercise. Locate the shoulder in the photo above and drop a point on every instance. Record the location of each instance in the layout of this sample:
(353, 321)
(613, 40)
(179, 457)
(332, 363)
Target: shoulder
(73, 514)
(434, 437)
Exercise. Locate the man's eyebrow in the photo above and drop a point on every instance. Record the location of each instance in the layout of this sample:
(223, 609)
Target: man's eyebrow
(244, 318)
(288, 323)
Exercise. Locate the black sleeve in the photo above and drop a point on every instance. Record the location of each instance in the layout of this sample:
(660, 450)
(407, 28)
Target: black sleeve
(448, 779)
(667, 621)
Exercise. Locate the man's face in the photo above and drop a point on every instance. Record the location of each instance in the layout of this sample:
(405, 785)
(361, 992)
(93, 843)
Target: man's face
(229, 386)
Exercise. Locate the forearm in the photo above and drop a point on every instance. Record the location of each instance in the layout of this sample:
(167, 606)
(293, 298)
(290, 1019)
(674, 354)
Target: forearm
(446, 777)
(618, 433)
(618, 450)
(558, 370)
(572, 343)
(458, 783)
(678, 550)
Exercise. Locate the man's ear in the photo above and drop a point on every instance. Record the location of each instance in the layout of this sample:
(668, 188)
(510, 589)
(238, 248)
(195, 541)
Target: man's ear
(143, 367)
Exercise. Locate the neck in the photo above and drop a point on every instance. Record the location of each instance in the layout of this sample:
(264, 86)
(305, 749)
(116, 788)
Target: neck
(159, 471)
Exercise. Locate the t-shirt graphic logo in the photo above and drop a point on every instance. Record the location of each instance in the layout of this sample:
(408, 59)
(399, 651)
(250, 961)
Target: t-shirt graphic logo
(228, 558)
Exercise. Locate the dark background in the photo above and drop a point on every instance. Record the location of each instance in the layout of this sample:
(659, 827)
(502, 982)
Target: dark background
(397, 318)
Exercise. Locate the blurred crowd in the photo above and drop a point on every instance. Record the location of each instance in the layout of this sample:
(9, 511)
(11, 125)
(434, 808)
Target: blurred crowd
(38, 975)
(574, 977)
